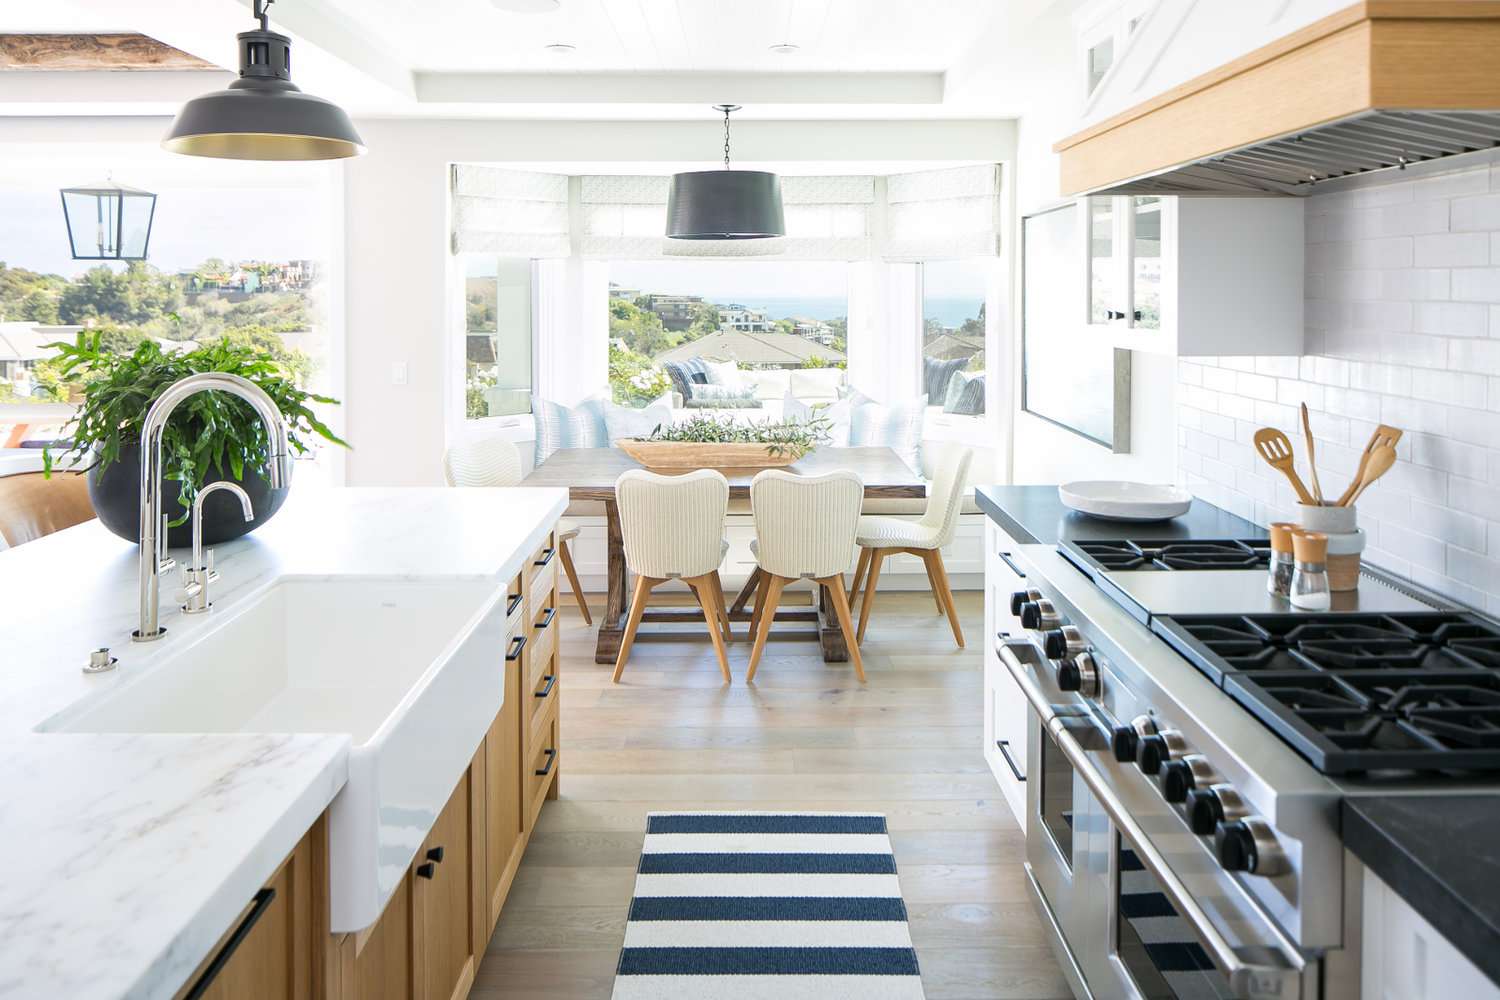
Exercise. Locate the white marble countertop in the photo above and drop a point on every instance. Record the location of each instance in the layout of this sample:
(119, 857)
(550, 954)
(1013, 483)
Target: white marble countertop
(133, 854)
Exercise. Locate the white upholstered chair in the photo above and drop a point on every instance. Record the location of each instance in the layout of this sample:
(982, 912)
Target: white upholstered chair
(673, 528)
(495, 461)
(804, 530)
(924, 538)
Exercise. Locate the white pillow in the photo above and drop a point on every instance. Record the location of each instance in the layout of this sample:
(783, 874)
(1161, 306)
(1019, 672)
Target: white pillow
(629, 422)
(897, 427)
(837, 414)
(816, 383)
(768, 383)
(725, 373)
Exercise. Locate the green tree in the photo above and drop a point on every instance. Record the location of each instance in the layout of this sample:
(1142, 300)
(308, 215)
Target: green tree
(29, 295)
(641, 331)
(135, 295)
(706, 320)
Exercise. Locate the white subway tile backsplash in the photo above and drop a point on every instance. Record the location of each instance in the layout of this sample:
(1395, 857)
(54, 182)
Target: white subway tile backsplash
(1478, 214)
(1218, 425)
(1475, 426)
(1241, 408)
(1417, 284)
(1390, 379)
(1295, 393)
(1279, 366)
(1472, 355)
(1462, 530)
(1480, 572)
(1453, 319)
(1456, 388)
(1352, 403)
(1219, 379)
(1256, 386)
(1475, 284)
(1473, 497)
(1474, 180)
(1451, 250)
(1452, 456)
(1189, 373)
(1414, 217)
(1419, 550)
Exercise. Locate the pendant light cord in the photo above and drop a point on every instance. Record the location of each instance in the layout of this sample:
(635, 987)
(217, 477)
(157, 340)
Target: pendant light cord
(726, 138)
(261, 8)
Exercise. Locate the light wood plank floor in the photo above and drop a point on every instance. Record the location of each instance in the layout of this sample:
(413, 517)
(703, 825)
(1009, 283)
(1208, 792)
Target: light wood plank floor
(806, 736)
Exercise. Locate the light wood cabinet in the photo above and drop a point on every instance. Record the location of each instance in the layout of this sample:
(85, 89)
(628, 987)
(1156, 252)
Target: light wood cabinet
(275, 949)
(505, 792)
(450, 907)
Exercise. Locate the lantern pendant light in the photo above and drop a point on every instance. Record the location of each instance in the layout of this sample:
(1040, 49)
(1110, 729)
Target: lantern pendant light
(108, 221)
(263, 116)
(725, 204)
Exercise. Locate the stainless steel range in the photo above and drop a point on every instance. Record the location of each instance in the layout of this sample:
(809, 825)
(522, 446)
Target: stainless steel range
(1191, 737)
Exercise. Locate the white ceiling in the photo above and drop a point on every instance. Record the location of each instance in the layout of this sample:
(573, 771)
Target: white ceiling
(678, 35)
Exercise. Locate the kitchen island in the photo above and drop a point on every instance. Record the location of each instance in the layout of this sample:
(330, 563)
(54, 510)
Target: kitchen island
(137, 850)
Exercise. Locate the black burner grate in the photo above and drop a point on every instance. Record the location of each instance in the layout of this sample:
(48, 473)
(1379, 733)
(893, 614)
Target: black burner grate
(1355, 692)
(1221, 554)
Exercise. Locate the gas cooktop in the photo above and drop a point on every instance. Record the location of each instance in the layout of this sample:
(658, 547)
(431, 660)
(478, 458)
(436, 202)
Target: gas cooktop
(1127, 555)
(1358, 692)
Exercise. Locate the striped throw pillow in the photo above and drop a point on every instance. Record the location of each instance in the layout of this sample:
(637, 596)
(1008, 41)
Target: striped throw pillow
(559, 426)
(897, 426)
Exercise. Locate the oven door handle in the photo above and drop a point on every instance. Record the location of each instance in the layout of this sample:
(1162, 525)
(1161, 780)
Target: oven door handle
(1253, 971)
(1010, 651)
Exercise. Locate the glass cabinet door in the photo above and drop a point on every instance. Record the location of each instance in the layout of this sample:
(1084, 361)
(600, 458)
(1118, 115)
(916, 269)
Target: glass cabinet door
(1104, 304)
(1145, 264)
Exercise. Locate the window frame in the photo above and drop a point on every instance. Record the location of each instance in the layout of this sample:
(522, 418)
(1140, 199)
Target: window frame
(460, 425)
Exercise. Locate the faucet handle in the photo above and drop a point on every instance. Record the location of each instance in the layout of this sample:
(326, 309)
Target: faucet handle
(164, 562)
(212, 575)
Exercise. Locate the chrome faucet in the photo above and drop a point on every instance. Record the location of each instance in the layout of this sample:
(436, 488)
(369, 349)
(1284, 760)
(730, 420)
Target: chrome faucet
(197, 577)
(153, 522)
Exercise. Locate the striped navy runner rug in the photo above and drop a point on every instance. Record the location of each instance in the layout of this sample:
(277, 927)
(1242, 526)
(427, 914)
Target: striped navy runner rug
(745, 906)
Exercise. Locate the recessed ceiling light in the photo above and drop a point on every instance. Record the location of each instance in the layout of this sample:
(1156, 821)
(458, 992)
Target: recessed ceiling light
(528, 6)
(561, 48)
(785, 48)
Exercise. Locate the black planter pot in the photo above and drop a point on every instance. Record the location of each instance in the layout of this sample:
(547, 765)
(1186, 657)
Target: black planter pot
(115, 493)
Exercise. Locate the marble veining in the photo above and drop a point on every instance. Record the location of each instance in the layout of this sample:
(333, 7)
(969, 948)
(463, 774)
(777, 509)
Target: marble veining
(132, 854)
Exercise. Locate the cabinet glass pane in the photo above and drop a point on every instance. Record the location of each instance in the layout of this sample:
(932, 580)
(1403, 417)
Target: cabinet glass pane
(1145, 274)
(1102, 266)
(1101, 56)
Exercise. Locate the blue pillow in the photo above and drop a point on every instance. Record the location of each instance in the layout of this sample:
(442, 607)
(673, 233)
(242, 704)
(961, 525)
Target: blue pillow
(559, 426)
(965, 394)
(684, 373)
(937, 374)
(897, 427)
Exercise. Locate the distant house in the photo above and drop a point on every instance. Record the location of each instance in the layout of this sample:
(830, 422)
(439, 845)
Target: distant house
(754, 350)
(952, 346)
(23, 344)
(676, 312)
(813, 329)
(744, 320)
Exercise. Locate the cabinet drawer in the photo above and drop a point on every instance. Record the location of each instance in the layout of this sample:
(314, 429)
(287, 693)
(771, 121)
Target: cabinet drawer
(541, 591)
(544, 699)
(542, 560)
(515, 603)
(541, 647)
(542, 770)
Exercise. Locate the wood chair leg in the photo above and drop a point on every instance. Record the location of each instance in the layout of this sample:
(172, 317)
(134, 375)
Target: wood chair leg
(869, 598)
(643, 585)
(773, 585)
(703, 587)
(718, 588)
(564, 550)
(835, 585)
(760, 604)
(938, 574)
(860, 569)
(932, 580)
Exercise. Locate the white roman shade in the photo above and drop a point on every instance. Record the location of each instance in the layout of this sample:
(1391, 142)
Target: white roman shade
(944, 214)
(512, 213)
(827, 218)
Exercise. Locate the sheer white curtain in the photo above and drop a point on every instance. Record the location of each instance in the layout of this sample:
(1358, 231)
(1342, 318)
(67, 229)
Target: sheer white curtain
(944, 214)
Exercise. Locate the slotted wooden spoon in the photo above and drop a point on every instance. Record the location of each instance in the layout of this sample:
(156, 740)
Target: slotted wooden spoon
(1382, 457)
(1384, 436)
(1274, 446)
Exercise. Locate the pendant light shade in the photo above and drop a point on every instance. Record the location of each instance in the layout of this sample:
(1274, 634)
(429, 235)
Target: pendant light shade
(108, 221)
(725, 204)
(263, 115)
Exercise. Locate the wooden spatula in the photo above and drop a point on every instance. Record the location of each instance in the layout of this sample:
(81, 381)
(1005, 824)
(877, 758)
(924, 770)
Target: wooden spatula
(1381, 460)
(1384, 436)
(1312, 456)
(1276, 449)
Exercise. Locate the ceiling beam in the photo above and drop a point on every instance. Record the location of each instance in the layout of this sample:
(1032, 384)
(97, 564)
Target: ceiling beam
(679, 88)
(155, 91)
(93, 52)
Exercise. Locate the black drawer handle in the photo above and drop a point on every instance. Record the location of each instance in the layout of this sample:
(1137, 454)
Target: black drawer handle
(517, 643)
(435, 854)
(426, 870)
(547, 616)
(546, 769)
(513, 602)
(262, 903)
(551, 679)
(547, 555)
(1011, 563)
(1004, 746)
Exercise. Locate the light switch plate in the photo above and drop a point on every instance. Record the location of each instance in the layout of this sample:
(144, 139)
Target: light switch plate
(398, 373)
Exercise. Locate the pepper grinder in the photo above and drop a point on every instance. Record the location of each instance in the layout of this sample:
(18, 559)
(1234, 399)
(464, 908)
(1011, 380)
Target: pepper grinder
(1279, 573)
(1310, 575)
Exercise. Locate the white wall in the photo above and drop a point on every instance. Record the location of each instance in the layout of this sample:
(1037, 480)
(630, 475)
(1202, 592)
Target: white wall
(1403, 328)
(396, 242)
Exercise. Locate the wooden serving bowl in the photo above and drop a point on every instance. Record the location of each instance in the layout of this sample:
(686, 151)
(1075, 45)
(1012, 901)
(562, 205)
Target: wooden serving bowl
(685, 456)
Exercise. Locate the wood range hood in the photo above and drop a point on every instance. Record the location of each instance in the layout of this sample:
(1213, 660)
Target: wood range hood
(1376, 86)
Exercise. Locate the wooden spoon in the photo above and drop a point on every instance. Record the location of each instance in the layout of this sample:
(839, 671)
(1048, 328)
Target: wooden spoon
(1383, 435)
(1381, 460)
(1276, 449)
(1312, 461)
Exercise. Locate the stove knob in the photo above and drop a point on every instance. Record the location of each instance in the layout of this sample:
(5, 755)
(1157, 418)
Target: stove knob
(1022, 597)
(1079, 674)
(1153, 751)
(1248, 845)
(1207, 807)
(1038, 615)
(1061, 643)
(1123, 739)
(1180, 777)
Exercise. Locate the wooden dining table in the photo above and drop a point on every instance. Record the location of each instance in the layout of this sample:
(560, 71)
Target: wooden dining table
(591, 473)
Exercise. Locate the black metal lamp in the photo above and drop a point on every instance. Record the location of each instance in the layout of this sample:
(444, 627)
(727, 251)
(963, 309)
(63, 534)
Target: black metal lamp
(108, 221)
(725, 204)
(263, 116)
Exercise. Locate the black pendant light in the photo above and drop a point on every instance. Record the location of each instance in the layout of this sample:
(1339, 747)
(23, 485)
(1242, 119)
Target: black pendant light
(108, 221)
(263, 116)
(725, 204)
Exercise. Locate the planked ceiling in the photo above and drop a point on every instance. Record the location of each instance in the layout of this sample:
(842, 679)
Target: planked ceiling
(678, 35)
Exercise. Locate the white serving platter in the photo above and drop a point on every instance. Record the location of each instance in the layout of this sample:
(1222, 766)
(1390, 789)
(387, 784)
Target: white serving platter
(1118, 500)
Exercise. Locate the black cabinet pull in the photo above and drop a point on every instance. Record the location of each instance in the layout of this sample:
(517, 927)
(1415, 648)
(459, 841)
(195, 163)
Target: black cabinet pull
(511, 603)
(1004, 746)
(551, 679)
(262, 903)
(546, 557)
(547, 616)
(1005, 556)
(517, 643)
(546, 769)
(1137, 315)
(436, 854)
(426, 870)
